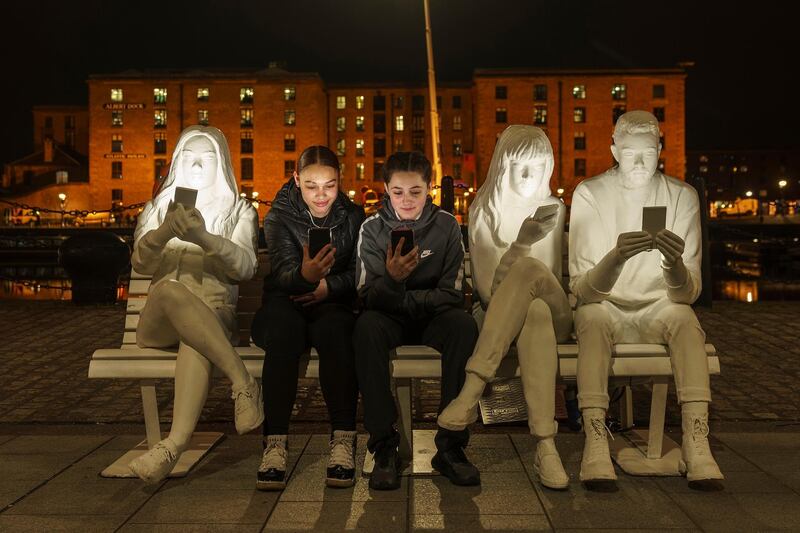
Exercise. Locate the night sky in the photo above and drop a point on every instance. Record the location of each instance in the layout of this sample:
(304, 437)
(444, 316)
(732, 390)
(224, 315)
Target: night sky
(740, 93)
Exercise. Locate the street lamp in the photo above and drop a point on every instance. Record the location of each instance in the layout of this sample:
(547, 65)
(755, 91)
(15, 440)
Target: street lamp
(749, 194)
(62, 199)
(781, 185)
(559, 191)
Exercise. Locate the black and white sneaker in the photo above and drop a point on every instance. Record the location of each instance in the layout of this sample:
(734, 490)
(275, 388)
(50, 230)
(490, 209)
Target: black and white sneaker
(342, 463)
(272, 471)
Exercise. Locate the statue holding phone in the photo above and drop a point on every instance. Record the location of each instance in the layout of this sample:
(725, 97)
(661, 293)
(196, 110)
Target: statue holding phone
(198, 240)
(634, 262)
(515, 229)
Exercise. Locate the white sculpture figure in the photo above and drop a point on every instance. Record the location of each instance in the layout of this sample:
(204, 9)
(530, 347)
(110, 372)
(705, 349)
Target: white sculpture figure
(516, 269)
(628, 293)
(196, 256)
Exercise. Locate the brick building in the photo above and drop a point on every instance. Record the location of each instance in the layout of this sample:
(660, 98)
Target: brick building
(66, 125)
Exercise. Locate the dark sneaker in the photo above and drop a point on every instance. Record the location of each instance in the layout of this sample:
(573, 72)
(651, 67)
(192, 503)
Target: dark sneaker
(385, 472)
(272, 471)
(342, 463)
(454, 465)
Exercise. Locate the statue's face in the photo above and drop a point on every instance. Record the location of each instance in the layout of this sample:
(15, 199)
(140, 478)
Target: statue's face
(526, 175)
(199, 162)
(637, 155)
(407, 193)
(319, 185)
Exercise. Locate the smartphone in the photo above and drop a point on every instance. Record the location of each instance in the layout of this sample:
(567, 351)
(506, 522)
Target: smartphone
(654, 219)
(185, 196)
(317, 239)
(408, 244)
(545, 211)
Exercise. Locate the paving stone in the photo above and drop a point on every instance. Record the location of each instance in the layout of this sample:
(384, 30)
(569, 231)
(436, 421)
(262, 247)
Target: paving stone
(184, 504)
(78, 524)
(189, 528)
(724, 511)
(332, 516)
(99, 497)
(484, 522)
(44, 444)
(503, 493)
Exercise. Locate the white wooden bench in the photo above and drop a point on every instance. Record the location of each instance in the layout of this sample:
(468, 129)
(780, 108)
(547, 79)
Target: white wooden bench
(643, 452)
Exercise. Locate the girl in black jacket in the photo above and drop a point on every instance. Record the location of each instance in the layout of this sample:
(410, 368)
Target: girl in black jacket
(309, 302)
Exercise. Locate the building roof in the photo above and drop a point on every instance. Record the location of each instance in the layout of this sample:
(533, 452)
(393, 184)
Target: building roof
(274, 73)
(400, 85)
(62, 157)
(533, 72)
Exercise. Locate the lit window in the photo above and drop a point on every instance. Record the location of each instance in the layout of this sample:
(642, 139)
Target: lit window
(288, 168)
(160, 118)
(540, 93)
(579, 92)
(160, 142)
(202, 94)
(289, 117)
(116, 142)
(500, 115)
(246, 95)
(540, 115)
(247, 169)
(580, 140)
(116, 119)
(341, 123)
(116, 95)
(704, 159)
(116, 170)
(659, 113)
(160, 95)
(743, 168)
(289, 93)
(500, 92)
(360, 123)
(359, 146)
(580, 167)
(289, 142)
(359, 171)
(202, 117)
(341, 170)
(619, 91)
(246, 142)
(340, 147)
(659, 91)
(246, 118)
(359, 102)
(341, 102)
(457, 147)
(457, 123)
(579, 114)
(617, 112)
(398, 123)
(703, 169)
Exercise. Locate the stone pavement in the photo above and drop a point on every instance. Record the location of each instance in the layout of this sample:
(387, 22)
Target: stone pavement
(46, 347)
(51, 483)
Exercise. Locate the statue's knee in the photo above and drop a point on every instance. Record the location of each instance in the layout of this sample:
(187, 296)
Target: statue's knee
(528, 268)
(169, 292)
(592, 317)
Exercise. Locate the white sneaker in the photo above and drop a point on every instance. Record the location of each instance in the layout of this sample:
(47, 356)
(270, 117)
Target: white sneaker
(156, 464)
(697, 462)
(547, 465)
(249, 411)
(596, 462)
(341, 470)
(272, 470)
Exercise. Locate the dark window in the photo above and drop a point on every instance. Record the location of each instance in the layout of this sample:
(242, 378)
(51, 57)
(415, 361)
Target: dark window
(418, 142)
(457, 147)
(379, 147)
(379, 103)
(247, 169)
(662, 141)
(418, 102)
(540, 92)
(438, 102)
(289, 142)
(116, 143)
(159, 168)
(69, 138)
(456, 171)
(580, 167)
(116, 170)
(457, 102)
(69, 122)
(379, 123)
(247, 142)
(48, 123)
(116, 196)
(377, 167)
(659, 91)
(659, 113)
(500, 115)
(399, 102)
(617, 112)
(160, 143)
(418, 123)
(500, 92)
(662, 165)
(288, 168)
(580, 140)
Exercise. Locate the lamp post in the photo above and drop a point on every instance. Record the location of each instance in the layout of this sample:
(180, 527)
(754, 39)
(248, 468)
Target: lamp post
(437, 163)
(62, 199)
(781, 185)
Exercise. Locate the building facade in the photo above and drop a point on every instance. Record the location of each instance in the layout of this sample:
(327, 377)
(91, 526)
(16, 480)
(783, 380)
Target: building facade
(66, 125)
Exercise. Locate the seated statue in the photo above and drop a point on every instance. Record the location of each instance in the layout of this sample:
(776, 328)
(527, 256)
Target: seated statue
(633, 287)
(196, 256)
(516, 269)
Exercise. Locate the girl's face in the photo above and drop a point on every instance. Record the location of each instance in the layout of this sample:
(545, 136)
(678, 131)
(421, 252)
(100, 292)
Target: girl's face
(198, 162)
(319, 185)
(526, 175)
(407, 193)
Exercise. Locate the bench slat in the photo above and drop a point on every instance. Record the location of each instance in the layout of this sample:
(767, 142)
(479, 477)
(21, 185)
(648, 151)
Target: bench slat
(139, 286)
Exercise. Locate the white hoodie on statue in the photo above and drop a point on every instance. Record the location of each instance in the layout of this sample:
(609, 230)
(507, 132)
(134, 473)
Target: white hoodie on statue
(602, 209)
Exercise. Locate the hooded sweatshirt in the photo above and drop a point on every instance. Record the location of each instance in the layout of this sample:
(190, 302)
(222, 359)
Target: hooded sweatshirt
(434, 286)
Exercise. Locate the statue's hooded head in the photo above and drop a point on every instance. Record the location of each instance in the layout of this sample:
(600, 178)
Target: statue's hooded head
(519, 174)
(636, 147)
(201, 161)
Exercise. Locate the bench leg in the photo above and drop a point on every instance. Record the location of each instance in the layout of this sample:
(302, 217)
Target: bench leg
(658, 408)
(626, 408)
(150, 407)
(404, 399)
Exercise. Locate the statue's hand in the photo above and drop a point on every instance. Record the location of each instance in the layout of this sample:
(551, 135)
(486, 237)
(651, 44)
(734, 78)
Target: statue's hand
(671, 246)
(189, 225)
(632, 243)
(532, 230)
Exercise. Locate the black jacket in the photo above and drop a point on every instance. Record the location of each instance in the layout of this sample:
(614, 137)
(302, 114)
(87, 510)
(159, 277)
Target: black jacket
(286, 230)
(434, 286)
